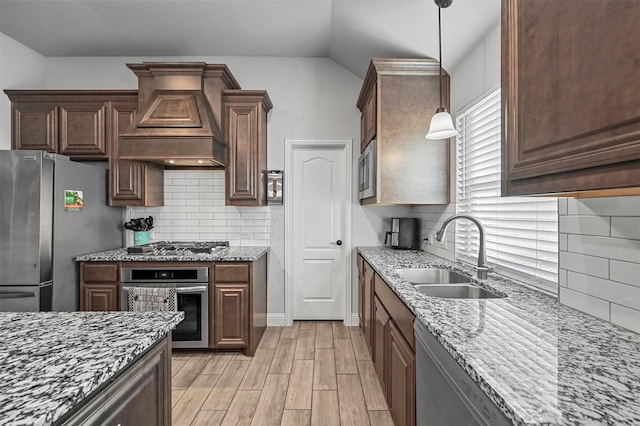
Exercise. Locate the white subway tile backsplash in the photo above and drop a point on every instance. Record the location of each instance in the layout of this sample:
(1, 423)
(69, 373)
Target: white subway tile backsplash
(625, 272)
(585, 303)
(605, 206)
(590, 265)
(563, 242)
(625, 317)
(562, 277)
(612, 248)
(622, 294)
(585, 225)
(626, 227)
(195, 210)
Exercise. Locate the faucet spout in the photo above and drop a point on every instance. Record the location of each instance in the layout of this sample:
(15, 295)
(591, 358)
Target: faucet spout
(483, 268)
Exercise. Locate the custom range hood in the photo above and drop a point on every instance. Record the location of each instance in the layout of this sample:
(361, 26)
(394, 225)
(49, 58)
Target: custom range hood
(178, 122)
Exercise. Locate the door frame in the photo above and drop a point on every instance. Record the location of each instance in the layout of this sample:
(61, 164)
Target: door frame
(290, 146)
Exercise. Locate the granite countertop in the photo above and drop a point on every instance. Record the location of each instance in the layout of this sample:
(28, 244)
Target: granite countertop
(540, 362)
(229, 254)
(51, 361)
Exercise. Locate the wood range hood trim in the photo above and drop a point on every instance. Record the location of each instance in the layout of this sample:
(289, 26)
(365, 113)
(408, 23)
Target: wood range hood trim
(179, 122)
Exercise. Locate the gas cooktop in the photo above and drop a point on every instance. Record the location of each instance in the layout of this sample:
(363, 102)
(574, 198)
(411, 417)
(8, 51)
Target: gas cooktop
(178, 247)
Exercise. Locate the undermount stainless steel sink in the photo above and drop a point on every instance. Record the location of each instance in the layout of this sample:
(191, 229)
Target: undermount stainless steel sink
(432, 276)
(456, 291)
(440, 282)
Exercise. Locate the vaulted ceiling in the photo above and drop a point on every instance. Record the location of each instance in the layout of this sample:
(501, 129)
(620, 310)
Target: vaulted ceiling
(348, 31)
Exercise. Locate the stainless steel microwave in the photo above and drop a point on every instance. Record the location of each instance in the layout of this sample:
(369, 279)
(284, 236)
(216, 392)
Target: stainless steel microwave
(367, 172)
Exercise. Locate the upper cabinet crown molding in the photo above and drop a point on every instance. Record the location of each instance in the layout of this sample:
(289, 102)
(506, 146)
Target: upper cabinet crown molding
(570, 97)
(397, 100)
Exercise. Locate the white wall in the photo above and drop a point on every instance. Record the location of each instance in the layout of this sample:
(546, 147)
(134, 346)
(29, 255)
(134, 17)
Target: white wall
(313, 98)
(20, 68)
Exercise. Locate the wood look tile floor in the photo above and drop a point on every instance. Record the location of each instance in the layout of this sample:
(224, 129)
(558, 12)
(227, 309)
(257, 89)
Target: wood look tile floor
(312, 373)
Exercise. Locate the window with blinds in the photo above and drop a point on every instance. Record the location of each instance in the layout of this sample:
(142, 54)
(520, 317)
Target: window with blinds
(521, 232)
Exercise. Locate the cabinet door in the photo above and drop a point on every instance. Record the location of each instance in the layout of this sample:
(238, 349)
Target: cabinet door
(571, 107)
(99, 297)
(131, 183)
(246, 153)
(35, 126)
(401, 378)
(360, 263)
(83, 129)
(380, 341)
(230, 315)
(372, 117)
(99, 286)
(368, 305)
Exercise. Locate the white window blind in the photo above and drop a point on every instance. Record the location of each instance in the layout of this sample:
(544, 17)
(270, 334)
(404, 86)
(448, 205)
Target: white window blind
(521, 232)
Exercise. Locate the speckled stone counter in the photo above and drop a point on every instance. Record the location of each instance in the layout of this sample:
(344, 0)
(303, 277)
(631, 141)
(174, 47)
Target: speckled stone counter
(539, 361)
(51, 361)
(230, 254)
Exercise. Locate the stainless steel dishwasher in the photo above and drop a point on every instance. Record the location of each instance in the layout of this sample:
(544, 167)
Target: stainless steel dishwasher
(445, 394)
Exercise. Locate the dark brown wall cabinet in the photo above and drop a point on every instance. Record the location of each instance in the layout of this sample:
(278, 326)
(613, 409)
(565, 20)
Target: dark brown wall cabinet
(392, 345)
(131, 183)
(99, 286)
(69, 122)
(397, 100)
(245, 130)
(239, 300)
(85, 125)
(570, 97)
(141, 395)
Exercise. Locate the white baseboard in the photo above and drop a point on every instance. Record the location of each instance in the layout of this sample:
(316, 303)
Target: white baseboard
(276, 320)
(355, 320)
(279, 320)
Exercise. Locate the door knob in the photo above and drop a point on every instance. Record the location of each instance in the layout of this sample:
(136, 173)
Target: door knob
(339, 242)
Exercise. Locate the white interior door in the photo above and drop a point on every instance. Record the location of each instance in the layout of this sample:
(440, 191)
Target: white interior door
(319, 194)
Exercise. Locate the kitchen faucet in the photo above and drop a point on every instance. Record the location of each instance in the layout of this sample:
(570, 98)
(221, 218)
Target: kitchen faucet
(483, 268)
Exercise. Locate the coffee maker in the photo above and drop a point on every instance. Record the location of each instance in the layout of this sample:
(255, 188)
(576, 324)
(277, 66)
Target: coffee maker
(404, 233)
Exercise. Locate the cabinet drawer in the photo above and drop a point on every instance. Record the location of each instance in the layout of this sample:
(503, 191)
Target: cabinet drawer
(100, 272)
(231, 272)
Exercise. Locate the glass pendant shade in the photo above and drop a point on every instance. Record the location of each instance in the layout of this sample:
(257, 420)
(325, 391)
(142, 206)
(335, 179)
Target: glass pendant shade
(441, 126)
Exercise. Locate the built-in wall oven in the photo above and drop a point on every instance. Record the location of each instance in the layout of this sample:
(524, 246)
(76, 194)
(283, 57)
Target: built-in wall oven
(192, 294)
(367, 172)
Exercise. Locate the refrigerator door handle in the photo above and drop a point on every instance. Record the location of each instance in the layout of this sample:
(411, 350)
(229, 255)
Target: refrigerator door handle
(16, 294)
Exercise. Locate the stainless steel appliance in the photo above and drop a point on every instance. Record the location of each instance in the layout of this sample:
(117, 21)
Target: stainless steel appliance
(404, 233)
(445, 393)
(178, 247)
(367, 172)
(192, 293)
(51, 210)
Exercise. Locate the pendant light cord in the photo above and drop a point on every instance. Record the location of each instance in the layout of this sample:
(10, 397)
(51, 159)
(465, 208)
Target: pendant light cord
(440, 49)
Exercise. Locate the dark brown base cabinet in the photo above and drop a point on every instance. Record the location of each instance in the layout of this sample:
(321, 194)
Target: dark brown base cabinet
(392, 343)
(141, 395)
(99, 286)
(239, 300)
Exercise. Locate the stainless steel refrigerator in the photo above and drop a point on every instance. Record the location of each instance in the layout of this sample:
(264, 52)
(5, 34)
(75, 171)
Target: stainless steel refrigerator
(51, 210)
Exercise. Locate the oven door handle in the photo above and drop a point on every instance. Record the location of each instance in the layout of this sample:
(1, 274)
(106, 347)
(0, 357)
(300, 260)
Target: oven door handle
(179, 290)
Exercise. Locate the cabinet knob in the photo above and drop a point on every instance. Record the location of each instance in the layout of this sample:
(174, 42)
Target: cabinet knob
(339, 242)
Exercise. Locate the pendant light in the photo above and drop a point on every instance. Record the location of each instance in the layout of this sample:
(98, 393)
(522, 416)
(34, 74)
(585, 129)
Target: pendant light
(441, 123)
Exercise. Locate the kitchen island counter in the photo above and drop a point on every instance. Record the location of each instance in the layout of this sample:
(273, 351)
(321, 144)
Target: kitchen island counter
(539, 361)
(228, 254)
(52, 362)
